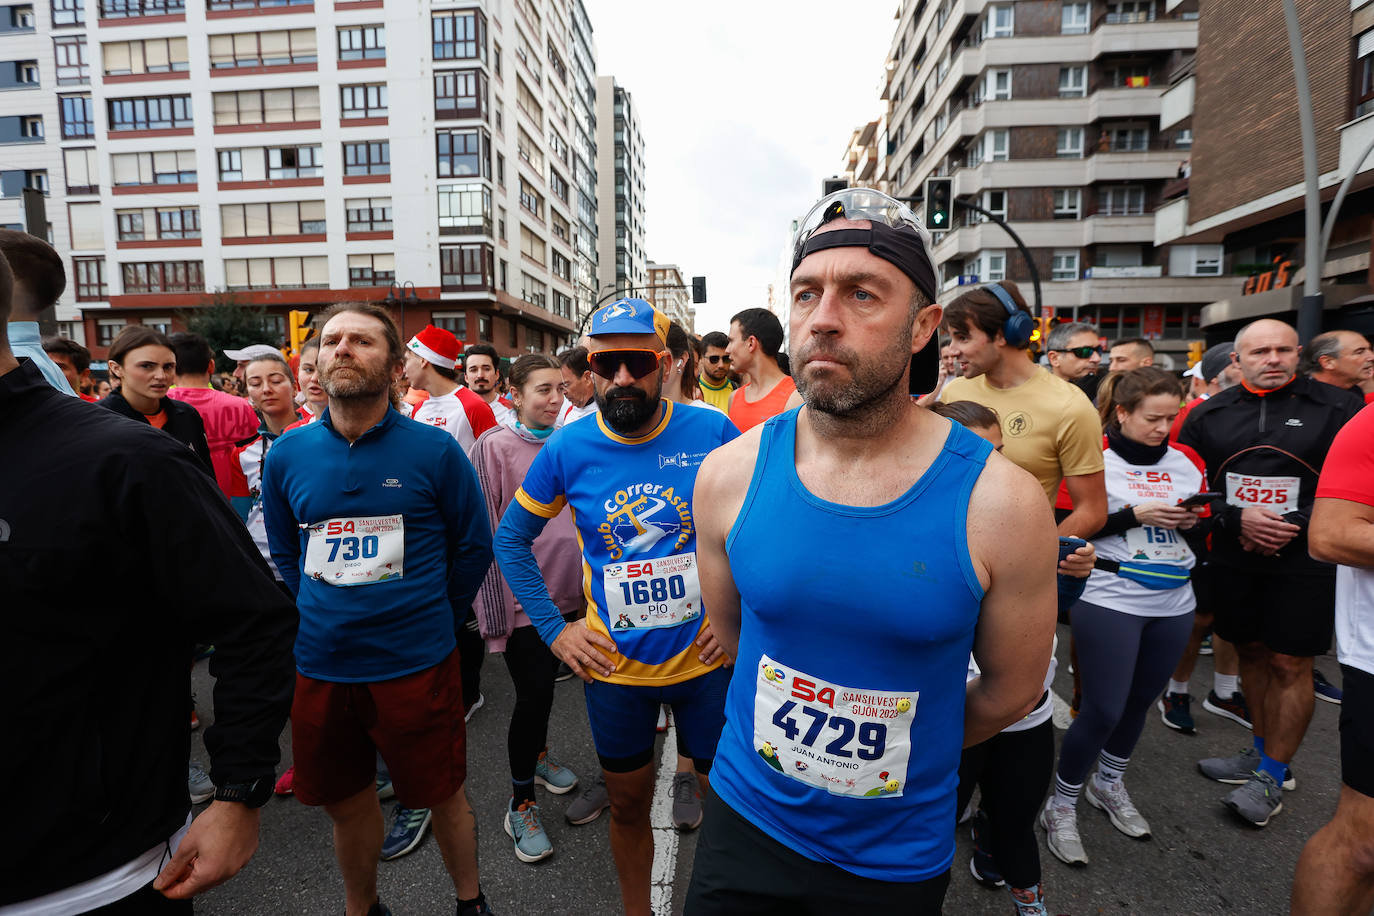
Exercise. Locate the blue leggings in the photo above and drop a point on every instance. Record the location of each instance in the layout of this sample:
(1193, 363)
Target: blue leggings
(1124, 661)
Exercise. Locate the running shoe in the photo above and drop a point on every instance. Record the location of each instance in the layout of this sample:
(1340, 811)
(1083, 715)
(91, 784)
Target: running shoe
(1029, 901)
(285, 785)
(523, 827)
(1117, 803)
(384, 788)
(202, 651)
(981, 866)
(1237, 770)
(662, 725)
(1235, 709)
(1256, 801)
(1205, 648)
(1324, 689)
(588, 806)
(686, 795)
(195, 719)
(481, 908)
(555, 777)
(379, 909)
(198, 784)
(467, 712)
(407, 830)
(564, 672)
(1061, 833)
(1175, 710)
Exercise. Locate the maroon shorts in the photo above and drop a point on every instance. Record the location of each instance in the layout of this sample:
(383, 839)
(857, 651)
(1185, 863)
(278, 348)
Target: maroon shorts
(415, 722)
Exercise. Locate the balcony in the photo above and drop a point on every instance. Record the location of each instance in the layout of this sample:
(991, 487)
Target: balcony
(1060, 233)
(1355, 136)
(1177, 103)
(1150, 165)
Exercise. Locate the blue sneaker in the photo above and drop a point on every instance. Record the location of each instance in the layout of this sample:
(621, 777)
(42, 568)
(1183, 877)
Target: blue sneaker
(1324, 689)
(1205, 647)
(407, 830)
(556, 778)
(523, 827)
(384, 788)
(981, 866)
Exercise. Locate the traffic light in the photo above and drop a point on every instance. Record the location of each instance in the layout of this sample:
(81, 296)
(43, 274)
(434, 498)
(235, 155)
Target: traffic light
(1042, 330)
(698, 290)
(939, 201)
(1195, 350)
(831, 185)
(298, 329)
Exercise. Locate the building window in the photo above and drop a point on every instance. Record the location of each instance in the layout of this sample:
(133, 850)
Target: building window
(1122, 12)
(22, 18)
(456, 323)
(163, 277)
(562, 267)
(1129, 76)
(501, 223)
(1183, 137)
(107, 329)
(532, 246)
(1121, 200)
(504, 273)
(533, 291)
(1128, 139)
(998, 86)
(153, 113)
(531, 200)
(277, 273)
(367, 100)
(463, 153)
(1070, 143)
(279, 218)
(561, 229)
(90, 282)
(152, 55)
(484, 328)
(230, 165)
(1064, 265)
(294, 162)
(562, 304)
(1073, 82)
(1068, 203)
(129, 225)
(368, 214)
(133, 9)
(460, 36)
(460, 94)
(69, 56)
(68, 12)
(367, 157)
(31, 126)
(465, 209)
(371, 269)
(82, 171)
(528, 102)
(501, 169)
(1364, 74)
(78, 116)
(464, 268)
(514, 334)
(171, 223)
(161, 324)
(995, 202)
(1000, 21)
(263, 49)
(1074, 19)
(267, 106)
(1195, 260)
(528, 151)
(166, 167)
(26, 72)
(362, 42)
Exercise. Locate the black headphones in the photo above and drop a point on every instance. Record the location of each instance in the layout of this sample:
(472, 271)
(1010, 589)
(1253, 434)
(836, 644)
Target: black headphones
(1018, 326)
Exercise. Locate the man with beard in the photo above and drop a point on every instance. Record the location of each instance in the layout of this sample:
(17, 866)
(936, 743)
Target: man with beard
(628, 475)
(378, 526)
(483, 375)
(835, 776)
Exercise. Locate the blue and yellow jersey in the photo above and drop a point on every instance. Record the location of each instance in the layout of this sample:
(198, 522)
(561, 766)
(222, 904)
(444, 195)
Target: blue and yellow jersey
(631, 502)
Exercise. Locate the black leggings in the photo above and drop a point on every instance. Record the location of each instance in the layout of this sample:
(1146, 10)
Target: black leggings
(532, 667)
(471, 650)
(146, 902)
(1013, 769)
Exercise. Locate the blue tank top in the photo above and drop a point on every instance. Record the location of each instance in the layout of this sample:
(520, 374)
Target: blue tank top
(845, 715)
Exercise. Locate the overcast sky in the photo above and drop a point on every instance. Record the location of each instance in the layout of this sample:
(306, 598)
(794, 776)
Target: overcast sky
(745, 106)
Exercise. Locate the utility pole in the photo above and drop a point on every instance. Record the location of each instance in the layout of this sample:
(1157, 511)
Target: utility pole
(1310, 312)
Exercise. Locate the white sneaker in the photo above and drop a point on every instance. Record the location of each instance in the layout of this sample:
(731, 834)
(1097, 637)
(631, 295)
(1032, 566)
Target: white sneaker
(1061, 833)
(1117, 803)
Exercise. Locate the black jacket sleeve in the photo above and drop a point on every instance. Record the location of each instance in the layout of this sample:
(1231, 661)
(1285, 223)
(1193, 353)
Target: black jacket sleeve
(221, 592)
(1118, 522)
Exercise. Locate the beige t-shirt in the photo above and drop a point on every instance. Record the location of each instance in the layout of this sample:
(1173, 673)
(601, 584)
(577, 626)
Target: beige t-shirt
(1049, 427)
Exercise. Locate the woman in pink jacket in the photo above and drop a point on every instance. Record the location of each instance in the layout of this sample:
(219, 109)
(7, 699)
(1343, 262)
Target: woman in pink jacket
(502, 456)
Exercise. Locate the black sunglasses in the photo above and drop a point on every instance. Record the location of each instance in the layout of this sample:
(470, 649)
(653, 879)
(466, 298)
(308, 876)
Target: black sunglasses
(606, 363)
(1080, 352)
(718, 359)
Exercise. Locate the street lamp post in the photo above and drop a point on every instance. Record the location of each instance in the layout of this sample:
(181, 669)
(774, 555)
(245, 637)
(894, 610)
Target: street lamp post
(407, 297)
(1310, 312)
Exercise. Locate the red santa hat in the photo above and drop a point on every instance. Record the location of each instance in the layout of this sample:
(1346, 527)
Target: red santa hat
(437, 346)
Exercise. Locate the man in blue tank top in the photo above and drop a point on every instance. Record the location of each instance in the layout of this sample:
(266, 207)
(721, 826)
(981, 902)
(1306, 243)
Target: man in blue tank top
(834, 780)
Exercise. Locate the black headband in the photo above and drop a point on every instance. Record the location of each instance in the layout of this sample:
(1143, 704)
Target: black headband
(904, 250)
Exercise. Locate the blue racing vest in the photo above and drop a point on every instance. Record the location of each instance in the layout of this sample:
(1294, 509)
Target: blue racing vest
(845, 715)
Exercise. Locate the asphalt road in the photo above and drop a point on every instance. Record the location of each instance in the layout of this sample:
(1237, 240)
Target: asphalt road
(1199, 860)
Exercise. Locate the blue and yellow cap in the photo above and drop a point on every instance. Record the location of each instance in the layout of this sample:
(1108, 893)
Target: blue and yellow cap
(629, 316)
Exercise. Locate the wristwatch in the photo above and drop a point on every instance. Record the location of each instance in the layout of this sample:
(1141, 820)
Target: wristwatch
(252, 794)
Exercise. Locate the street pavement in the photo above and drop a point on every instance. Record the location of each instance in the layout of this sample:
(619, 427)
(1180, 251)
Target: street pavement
(1199, 860)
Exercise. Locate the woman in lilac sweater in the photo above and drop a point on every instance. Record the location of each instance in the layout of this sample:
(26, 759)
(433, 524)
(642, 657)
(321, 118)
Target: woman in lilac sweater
(502, 456)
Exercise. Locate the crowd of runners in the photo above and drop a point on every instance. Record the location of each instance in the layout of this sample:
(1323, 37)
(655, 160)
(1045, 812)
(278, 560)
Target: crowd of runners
(350, 538)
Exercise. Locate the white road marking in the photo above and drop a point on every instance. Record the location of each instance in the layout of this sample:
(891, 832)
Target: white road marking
(665, 834)
(1062, 715)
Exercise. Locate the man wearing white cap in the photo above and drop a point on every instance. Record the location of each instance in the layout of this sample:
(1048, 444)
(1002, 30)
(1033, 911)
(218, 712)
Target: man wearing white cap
(245, 356)
(429, 366)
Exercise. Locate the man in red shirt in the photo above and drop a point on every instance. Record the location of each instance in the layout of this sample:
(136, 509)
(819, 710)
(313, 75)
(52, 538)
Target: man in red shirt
(227, 418)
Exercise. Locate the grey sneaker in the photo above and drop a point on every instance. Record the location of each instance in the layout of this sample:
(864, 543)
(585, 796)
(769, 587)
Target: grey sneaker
(1117, 803)
(1236, 770)
(588, 806)
(1256, 801)
(1061, 833)
(686, 795)
(198, 784)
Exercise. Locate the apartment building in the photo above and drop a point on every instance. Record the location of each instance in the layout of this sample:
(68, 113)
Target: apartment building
(1047, 114)
(293, 153)
(1245, 193)
(623, 265)
(671, 294)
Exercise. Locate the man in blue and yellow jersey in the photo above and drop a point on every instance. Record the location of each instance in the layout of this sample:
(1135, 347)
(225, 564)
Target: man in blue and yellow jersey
(627, 474)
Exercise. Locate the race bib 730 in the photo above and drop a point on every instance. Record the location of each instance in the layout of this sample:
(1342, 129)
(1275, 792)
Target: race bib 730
(356, 551)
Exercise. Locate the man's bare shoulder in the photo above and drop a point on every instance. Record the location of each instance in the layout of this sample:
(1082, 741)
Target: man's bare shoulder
(728, 469)
(1006, 498)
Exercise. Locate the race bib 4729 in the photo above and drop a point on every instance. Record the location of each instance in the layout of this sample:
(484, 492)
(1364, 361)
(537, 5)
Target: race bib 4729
(356, 551)
(846, 740)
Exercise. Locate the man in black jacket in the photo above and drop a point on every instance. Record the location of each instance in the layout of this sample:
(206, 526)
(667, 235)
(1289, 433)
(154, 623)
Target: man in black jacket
(1264, 442)
(117, 553)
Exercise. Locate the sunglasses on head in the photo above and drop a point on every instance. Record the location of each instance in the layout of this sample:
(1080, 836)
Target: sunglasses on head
(718, 359)
(639, 363)
(1081, 352)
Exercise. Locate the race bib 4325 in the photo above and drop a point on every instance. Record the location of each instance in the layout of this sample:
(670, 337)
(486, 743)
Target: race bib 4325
(846, 740)
(1277, 494)
(356, 551)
